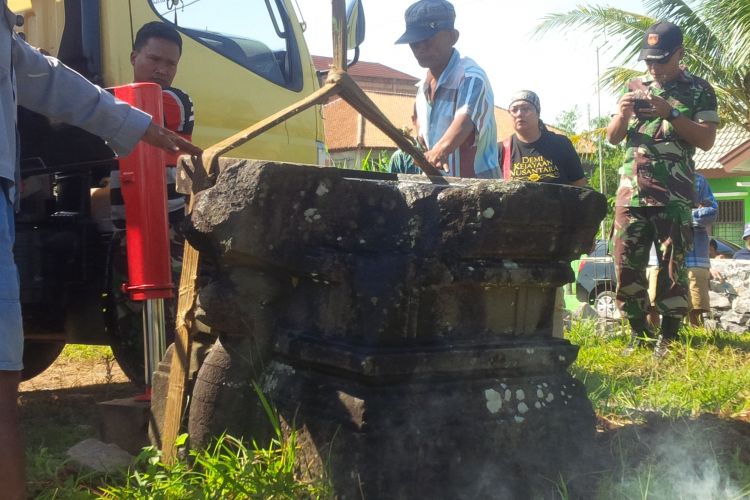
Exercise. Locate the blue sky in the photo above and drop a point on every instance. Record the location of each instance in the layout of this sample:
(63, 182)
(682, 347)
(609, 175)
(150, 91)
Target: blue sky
(497, 34)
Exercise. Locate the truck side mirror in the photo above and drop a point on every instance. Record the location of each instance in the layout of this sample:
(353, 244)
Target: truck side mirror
(355, 27)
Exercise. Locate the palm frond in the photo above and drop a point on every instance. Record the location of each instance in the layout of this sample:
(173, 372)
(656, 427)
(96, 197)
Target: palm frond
(616, 78)
(605, 22)
(716, 39)
(730, 18)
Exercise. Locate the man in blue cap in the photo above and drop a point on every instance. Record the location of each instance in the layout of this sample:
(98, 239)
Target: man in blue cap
(455, 104)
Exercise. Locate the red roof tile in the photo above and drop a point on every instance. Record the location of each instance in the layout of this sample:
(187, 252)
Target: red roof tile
(345, 129)
(366, 70)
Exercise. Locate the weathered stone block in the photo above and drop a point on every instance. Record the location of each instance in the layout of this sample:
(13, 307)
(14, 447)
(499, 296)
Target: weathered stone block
(124, 422)
(403, 326)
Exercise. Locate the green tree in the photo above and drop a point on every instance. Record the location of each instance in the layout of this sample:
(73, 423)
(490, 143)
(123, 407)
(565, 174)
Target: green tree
(567, 121)
(604, 178)
(716, 40)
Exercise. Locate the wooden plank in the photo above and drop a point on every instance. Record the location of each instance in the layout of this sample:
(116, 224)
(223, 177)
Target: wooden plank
(180, 365)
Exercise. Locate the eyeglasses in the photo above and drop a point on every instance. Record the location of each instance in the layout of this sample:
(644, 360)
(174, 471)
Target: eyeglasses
(521, 110)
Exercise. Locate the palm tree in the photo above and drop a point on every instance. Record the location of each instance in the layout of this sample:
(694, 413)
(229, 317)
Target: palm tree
(716, 40)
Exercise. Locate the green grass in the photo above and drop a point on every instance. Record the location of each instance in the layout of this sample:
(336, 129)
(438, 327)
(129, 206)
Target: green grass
(704, 373)
(677, 438)
(226, 469)
(83, 352)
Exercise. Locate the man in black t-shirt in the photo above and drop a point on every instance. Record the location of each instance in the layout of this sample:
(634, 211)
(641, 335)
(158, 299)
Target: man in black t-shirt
(536, 154)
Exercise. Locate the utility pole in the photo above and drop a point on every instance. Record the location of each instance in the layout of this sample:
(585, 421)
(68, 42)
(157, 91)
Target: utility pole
(599, 139)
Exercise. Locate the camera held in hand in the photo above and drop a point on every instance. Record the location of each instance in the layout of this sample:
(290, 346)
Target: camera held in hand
(640, 104)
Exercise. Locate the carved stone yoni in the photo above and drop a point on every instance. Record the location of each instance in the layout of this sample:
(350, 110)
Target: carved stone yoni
(404, 327)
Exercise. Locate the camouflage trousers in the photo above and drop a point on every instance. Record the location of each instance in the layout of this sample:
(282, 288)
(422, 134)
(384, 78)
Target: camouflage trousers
(635, 230)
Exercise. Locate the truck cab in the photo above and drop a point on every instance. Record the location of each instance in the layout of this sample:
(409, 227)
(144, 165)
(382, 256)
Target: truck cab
(242, 60)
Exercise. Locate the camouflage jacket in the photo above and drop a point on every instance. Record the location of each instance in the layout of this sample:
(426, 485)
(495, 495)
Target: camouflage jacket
(658, 169)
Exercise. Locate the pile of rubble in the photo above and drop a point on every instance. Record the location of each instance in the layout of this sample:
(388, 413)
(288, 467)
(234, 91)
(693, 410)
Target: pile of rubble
(730, 301)
(730, 297)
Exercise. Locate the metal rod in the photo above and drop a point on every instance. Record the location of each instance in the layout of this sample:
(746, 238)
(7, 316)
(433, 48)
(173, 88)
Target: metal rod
(154, 336)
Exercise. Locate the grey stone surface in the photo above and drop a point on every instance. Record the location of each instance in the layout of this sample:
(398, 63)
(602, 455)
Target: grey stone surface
(719, 301)
(403, 327)
(585, 311)
(741, 305)
(734, 317)
(733, 327)
(730, 297)
(100, 457)
(124, 422)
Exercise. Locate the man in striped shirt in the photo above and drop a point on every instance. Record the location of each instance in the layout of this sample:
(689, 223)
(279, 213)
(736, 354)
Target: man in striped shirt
(156, 53)
(455, 104)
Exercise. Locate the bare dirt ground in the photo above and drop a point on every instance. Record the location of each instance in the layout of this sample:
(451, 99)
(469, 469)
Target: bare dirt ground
(58, 410)
(67, 373)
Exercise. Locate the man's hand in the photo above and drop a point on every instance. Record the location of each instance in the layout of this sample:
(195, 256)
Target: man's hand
(716, 275)
(618, 125)
(437, 158)
(660, 108)
(625, 106)
(166, 139)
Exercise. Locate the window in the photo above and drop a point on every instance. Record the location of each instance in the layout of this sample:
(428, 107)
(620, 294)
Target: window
(256, 34)
(730, 221)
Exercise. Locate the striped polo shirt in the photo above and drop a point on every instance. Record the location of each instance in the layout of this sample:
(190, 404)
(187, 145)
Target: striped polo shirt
(462, 88)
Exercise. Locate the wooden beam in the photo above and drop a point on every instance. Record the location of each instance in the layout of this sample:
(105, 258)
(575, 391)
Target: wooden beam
(339, 35)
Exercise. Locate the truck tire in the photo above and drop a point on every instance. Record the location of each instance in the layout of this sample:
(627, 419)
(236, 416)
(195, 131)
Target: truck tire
(38, 356)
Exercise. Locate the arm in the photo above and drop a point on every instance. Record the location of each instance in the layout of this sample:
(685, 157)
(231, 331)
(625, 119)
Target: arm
(47, 86)
(472, 109)
(706, 213)
(617, 128)
(699, 134)
(573, 168)
(458, 132)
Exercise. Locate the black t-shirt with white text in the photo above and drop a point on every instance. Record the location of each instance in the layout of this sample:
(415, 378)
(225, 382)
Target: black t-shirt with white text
(551, 158)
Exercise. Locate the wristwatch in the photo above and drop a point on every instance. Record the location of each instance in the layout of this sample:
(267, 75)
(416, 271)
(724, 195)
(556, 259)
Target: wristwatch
(673, 113)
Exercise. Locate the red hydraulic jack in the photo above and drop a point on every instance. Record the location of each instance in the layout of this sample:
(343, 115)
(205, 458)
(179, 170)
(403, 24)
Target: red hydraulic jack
(144, 189)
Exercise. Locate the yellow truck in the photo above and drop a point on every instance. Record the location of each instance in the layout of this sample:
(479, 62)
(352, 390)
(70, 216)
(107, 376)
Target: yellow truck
(242, 60)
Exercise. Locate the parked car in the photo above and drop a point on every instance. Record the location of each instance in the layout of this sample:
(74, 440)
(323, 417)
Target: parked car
(726, 248)
(596, 280)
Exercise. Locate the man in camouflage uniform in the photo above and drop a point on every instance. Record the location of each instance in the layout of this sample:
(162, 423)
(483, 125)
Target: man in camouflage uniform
(664, 115)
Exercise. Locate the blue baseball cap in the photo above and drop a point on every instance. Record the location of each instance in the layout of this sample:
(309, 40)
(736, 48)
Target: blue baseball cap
(426, 18)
